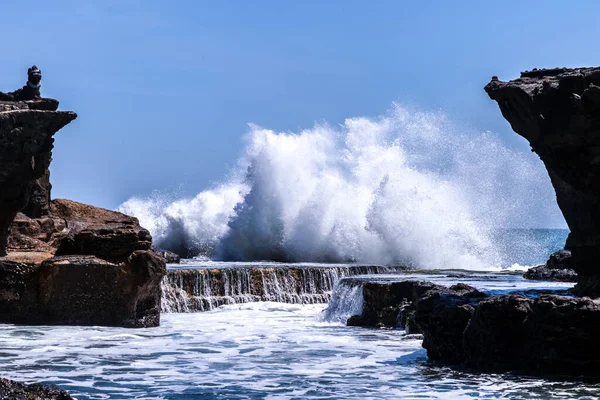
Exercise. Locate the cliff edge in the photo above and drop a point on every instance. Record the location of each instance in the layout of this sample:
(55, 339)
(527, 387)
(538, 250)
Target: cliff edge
(63, 262)
(558, 112)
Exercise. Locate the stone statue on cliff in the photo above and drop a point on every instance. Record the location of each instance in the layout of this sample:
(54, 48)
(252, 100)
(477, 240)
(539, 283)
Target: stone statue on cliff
(30, 91)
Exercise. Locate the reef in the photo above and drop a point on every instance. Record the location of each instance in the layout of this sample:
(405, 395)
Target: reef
(558, 112)
(63, 262)
(21, 391)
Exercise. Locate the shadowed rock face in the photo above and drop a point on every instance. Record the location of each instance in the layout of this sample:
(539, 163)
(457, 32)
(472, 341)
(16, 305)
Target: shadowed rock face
(26, 143)
(558, 112)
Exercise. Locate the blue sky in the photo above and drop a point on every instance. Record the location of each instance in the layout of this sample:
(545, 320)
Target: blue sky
(164, 90)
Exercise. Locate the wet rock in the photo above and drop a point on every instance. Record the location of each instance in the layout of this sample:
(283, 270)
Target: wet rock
(547, 335)
(542, 273)
(556, 269)
(169, 256)
(559, 260)
(11, 390)
(390, 304)
(83, 290)
(443, 314)
(557, 112)
(494, 337)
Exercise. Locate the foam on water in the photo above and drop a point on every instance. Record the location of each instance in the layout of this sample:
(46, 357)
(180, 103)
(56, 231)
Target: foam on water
(408, 188)
(254, 351)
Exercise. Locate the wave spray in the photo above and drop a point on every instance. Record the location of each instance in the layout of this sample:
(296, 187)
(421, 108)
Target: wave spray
(406, 188)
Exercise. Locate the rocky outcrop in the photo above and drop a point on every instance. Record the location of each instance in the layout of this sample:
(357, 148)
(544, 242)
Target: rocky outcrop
(26, 142)
(557, 269)
(389, 304)
(558, 112)
(548, 334)
(80, 265)
(68, 263)
(11, 390)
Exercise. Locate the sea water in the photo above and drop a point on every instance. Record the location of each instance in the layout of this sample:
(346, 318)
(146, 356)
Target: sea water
(263, 350)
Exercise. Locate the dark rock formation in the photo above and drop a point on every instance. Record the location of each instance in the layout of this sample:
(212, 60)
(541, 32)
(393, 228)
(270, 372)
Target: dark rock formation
(389, 304)
(557, 269)
(25, 152)
(442, 315)
(93, 267)
(68, 263)
(11, 390)
(546, 335)
(543, 273)
(558, 112)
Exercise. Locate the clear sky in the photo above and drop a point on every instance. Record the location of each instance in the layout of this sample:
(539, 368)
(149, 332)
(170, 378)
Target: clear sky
(164, 89)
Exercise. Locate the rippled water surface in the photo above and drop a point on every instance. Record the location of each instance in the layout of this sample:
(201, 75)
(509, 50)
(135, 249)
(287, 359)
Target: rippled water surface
(256, 351)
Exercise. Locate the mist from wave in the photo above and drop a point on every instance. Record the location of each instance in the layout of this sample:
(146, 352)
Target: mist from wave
(408, 187)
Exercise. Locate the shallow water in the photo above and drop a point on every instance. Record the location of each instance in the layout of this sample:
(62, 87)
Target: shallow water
(259, 351)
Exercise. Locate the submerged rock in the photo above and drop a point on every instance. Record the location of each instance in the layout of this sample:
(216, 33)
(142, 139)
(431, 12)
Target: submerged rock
(557, 111)
(11, 390)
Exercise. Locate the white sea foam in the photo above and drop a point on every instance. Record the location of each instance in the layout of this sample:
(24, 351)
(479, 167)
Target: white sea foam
(405, 188)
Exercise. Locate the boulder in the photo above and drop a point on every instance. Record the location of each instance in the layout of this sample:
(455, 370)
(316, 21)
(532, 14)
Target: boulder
(10, 390)
(543, 273)
(556, 110)
(557, 269)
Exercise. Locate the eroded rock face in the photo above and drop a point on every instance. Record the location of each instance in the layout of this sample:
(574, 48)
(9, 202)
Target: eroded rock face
(26, 142)
(68, 263)
(558, 112)
(80, 265)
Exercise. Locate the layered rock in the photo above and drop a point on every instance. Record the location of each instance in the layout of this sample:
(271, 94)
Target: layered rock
(558, 112)
(81, 265)
(26, 142)
(68, 263)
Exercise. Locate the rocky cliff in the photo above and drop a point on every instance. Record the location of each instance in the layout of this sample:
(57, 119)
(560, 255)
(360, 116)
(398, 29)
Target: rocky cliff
(558, 112)
(62, 262)
(26, 142)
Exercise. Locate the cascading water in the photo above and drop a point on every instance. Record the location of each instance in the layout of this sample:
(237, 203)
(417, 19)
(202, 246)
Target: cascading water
(346, 301)
(193, 290)
(407, 188)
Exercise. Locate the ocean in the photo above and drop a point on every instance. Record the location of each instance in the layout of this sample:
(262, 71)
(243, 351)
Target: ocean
(264, 350)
